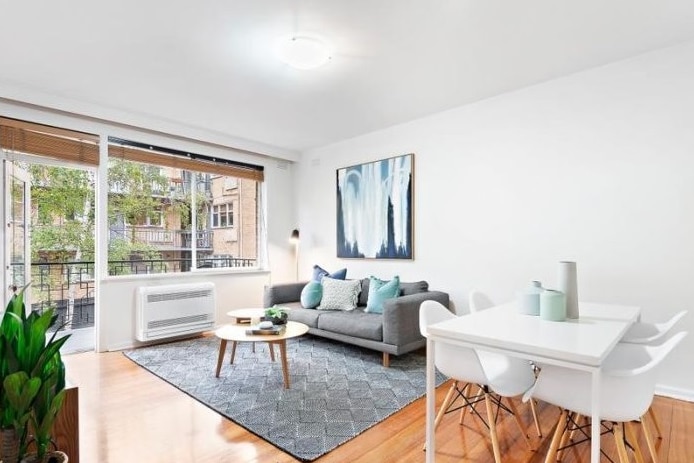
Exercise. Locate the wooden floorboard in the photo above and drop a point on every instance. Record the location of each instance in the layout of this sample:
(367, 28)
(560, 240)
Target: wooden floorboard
(129, 415)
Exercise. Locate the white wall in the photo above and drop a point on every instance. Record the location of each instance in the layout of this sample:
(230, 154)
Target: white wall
(597, 167)
(115, 296)
(118, 296)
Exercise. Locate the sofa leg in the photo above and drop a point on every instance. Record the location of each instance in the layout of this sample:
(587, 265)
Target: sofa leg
(386, 359)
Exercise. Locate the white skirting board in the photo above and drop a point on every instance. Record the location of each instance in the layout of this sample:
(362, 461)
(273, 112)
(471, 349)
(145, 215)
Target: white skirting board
(675, 393)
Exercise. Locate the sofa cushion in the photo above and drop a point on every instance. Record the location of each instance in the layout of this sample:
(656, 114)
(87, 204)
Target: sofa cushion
(319, 273)
(413, 288)
(379, 291)
(306, 316)
(339, 294)
(289, 305)
(355, 323)
(311, 295)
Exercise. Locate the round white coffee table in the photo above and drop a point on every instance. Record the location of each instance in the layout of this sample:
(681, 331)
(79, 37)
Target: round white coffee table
(249, 317)
(237, 333)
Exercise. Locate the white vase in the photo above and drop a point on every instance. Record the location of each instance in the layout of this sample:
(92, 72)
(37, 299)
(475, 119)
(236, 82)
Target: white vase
(567, 283)
(529, 299)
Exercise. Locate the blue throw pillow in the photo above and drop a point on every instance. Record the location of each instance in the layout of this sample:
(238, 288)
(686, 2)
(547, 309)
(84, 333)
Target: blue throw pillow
(379, 291)
(319, 273)
(311, 295)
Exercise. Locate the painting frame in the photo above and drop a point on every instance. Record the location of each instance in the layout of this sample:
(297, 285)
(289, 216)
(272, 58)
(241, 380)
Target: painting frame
(375, 209)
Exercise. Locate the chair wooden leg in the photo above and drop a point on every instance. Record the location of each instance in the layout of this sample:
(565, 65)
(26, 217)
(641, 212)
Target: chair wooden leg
(579, 420)
(492, 427)
(444, 406)
(446, 403)
(558, 433)
(537, 422)
(649, 438)
(567, 435)
(656, 424)
(463, 411)
(386, 359)
(619, 442)
(633, 441)
(519, 422)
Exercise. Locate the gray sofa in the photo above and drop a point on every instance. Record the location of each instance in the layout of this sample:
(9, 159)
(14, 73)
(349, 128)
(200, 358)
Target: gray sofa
(396, 331)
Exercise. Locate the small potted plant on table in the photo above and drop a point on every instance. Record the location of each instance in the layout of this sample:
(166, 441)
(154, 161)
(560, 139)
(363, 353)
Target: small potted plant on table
(277, 315)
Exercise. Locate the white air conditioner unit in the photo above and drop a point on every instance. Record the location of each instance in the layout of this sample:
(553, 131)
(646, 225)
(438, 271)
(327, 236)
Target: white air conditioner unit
(174, 310)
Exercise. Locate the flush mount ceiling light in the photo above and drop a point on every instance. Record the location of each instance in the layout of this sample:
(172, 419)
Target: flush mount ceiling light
(303, 52)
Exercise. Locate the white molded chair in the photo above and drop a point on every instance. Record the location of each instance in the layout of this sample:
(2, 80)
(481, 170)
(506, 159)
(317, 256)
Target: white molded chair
(477, 300)
(463, 365)
(650, 333)
(627, 386)
(644, 333)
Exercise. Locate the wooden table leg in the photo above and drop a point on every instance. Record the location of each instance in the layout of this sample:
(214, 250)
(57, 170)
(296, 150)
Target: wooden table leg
(272, 351)
(285, 368)
(220, 358)
(233, 351)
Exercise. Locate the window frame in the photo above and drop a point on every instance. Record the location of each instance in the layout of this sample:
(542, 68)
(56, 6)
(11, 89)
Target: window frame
(193, 254)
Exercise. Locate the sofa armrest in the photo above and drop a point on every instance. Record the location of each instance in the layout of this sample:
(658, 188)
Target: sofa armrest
(282, 293)
(401, 316)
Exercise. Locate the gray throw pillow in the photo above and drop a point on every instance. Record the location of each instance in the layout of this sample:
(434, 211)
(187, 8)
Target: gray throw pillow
(339, 294)
(413, 288)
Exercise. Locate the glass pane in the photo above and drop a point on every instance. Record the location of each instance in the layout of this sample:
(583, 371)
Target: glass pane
(62, 243)
(17, 232)
(135, 190)
(235, 242)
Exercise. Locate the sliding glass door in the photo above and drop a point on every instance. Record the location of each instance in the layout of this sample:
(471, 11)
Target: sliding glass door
(17, 218)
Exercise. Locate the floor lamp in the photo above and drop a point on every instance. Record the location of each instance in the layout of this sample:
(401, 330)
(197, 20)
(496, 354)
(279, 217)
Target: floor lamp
(294, 239)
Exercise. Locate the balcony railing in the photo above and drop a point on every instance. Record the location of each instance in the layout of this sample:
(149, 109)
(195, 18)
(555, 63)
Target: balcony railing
(68, 287)
(147, 266)
(165, 239)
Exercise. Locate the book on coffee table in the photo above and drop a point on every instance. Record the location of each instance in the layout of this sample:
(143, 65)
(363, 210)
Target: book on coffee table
(276, 329)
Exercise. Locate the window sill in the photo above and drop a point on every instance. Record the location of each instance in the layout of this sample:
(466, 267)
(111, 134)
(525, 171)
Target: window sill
(183, 275)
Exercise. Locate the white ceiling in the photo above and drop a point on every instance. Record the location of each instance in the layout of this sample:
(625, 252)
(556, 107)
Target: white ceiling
(209, 65)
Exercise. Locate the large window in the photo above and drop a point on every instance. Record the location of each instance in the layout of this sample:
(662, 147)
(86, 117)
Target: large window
(174, 212)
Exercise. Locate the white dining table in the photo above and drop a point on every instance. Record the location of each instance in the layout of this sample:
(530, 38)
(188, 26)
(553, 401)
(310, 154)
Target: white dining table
(582, 344)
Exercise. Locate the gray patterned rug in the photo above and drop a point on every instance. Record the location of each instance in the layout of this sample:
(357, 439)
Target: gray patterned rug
(337, 390)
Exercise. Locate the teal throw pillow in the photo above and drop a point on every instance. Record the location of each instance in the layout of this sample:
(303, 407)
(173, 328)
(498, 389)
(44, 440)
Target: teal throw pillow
(311, 295)
(319, 272)
(379, 291)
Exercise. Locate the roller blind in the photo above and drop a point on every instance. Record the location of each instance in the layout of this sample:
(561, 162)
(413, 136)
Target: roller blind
(133, 151)
(53, 142)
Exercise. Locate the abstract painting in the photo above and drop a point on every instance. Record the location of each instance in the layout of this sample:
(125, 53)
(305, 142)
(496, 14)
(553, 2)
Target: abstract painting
(375, 209)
